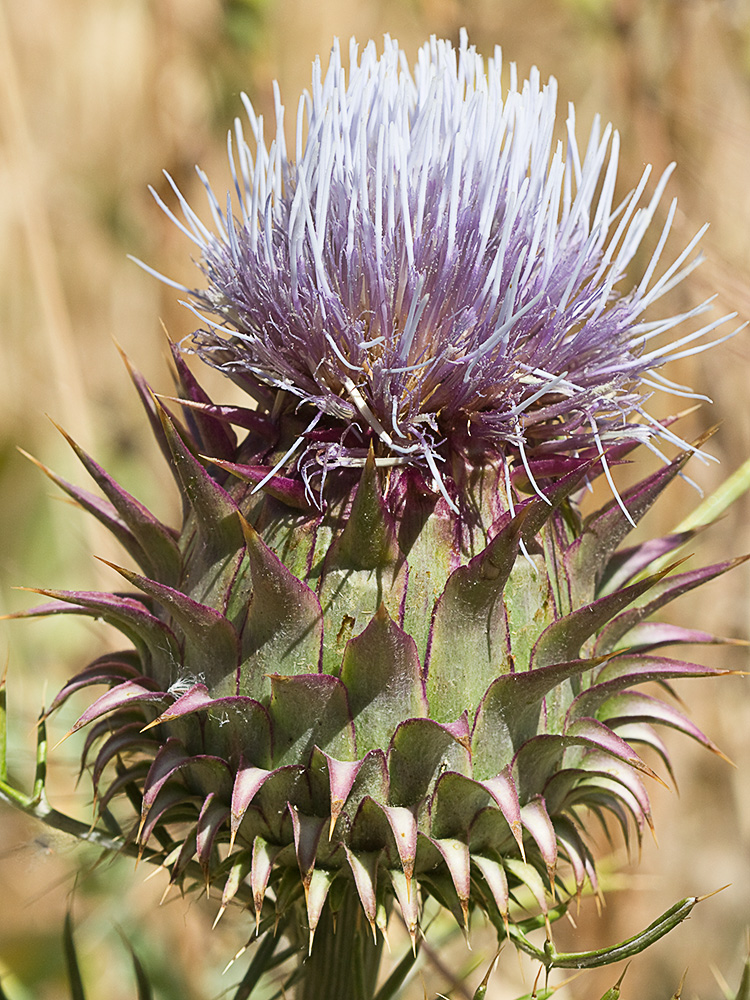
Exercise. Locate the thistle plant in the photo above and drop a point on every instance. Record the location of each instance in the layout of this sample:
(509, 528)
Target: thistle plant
(385, 657)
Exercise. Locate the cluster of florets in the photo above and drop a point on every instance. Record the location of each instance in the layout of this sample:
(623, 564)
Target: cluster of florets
(433, 265)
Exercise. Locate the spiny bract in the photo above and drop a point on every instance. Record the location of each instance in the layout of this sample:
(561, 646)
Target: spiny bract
(384, 653)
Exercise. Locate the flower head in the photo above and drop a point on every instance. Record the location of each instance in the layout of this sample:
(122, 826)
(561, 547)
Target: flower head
(377, 693)
(433, 262)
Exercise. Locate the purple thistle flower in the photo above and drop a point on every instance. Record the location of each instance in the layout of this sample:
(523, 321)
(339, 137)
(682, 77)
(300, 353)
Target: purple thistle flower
(433, 266)
(372, 697)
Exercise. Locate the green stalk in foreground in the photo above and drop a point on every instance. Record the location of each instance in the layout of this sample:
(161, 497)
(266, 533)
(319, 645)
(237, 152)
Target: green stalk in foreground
(384, 657)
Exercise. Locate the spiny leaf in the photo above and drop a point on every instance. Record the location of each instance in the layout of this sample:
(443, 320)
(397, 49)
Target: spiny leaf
(509, 712)
(348, 783)
(649, 556)
(104, 512)
(154, 640)
(670, 919)
(605, 529)
(148, 400)
(665, 591)
(368, 540)
(110, 669)
(363, 569)
(563, 639)
(497, 883)
(613, 993)
(143, 985)
(638, 707)
(156, 540)
(214, 509)
(211, 643)
(127, 693)
(309, 710)
(469, 639)
(4, 725)
(421, 750)
(383, 679)
(527, 875)
(455, 801)
(678, 992)
(536, 820)
(284, 627)
(455, 854)
(707, 512)
(261, 962)
(214, 435)
(625, 672)
(743, 992)
(290, 492)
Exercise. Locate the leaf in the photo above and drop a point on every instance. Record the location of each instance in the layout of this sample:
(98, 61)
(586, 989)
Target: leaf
(562, 640)
(248, 782)
(143, 985)
(536, 820)
(349, 782)
(509, 712)
(290, 492)
(127, 693)
(155, 641)
(743, 992)
(456, 801)
(260, 963)
(211, 643)
(393, 983)
(666, 590)
(215, 435)
(421, 751)
(71, 960)
(605, 529)
(408, 901)
(104, 512)
(363, 569)
(625, 564)
(155, 538)
(613, 992)
(670, 919)
(648, 636)
(203, 773)
(364, 866)
(212, 816)
(633, 706)
(497, 882)
(527, 875)
(214, 509)
(469, 640)
(624, 672)
(284, 627)
(3, 727)
(307, 832)
(109, 669)
(309, 710)
(263, 858)
(383, 679)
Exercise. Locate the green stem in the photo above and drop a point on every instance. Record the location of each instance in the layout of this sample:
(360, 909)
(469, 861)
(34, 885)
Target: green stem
(344, 960)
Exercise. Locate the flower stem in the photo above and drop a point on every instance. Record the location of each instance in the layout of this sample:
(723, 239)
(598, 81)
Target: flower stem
(344, 960)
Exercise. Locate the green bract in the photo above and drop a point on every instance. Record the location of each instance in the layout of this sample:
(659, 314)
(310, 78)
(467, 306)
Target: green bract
(384, 697)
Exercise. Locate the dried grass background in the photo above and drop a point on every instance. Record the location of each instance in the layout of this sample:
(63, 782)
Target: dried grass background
(96, 97)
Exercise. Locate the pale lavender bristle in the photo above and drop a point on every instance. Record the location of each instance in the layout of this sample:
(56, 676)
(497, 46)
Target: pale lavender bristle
(436, 260)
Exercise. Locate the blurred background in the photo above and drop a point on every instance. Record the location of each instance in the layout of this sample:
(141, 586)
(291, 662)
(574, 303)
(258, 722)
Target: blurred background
(96, 98)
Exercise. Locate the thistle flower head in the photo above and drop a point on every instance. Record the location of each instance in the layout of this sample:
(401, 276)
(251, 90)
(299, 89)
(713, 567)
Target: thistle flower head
(335, 704)
(433, 265)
